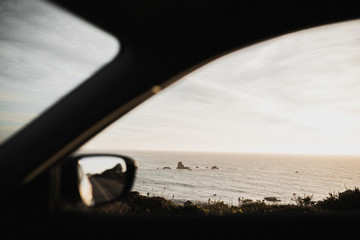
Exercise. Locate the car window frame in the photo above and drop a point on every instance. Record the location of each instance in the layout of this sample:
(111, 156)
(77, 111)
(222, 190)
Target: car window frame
(65, 126)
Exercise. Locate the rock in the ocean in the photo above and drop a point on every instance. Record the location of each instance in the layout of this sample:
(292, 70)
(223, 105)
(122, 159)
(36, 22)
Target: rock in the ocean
(214, 167)
(246, 201)
(188, 203)
(182, 166)
(272, 199)
(166, 167)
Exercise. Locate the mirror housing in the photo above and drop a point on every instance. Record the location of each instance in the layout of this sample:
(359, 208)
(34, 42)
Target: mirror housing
(91, 180)
(104, 178)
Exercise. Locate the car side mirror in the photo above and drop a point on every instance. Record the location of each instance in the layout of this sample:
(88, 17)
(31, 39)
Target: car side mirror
(104, 178)
(91, 180)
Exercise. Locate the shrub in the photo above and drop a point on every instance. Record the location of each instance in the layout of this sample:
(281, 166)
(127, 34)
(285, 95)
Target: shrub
(137, 204)
(305, 201)
(347, 200)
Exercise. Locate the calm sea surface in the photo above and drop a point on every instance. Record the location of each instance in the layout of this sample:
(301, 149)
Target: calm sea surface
(252, 176)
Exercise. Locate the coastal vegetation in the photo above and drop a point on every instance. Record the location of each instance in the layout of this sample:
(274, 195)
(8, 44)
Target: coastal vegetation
(135, 204)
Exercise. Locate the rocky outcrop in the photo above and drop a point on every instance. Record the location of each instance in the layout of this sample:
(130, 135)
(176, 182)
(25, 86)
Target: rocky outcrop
(272, 199)
(182, 166)
(214, 167)
(188, 203)
(114, 173)
(166, 167)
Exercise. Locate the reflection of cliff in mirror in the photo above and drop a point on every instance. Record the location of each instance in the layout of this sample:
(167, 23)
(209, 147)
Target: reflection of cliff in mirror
(101, 179)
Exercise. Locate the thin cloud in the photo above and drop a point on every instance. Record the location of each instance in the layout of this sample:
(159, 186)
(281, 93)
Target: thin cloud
(295, 94)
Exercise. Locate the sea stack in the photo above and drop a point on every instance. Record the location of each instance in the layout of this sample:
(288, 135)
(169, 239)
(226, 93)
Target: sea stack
(182, 166)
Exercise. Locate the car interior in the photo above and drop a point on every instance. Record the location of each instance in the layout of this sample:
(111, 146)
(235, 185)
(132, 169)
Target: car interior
(160, 41)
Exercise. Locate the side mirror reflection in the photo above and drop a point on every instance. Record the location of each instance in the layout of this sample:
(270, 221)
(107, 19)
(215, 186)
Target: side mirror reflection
(104, 178)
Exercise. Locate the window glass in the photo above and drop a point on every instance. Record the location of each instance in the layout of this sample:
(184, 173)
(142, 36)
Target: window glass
(273, 119)
(44, 53)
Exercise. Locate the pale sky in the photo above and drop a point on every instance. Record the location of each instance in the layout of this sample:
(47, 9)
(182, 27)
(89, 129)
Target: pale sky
(298, 93)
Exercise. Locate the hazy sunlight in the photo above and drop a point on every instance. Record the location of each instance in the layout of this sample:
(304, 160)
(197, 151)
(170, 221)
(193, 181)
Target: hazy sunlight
(298, 93)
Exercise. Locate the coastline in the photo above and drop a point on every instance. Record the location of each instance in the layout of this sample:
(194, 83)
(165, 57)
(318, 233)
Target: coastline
(136, 204)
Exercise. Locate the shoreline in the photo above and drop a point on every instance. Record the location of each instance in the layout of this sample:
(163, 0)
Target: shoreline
(137, 204)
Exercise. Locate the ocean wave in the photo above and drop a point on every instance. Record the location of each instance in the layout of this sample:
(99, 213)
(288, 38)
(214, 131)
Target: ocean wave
(253, 177)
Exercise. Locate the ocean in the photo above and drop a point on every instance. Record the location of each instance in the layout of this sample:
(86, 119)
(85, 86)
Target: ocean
(243, 176)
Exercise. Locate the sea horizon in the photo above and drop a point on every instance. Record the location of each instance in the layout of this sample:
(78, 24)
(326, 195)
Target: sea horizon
(252, 176)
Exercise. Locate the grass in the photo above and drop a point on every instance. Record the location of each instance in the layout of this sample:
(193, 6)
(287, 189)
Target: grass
(344, 202)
